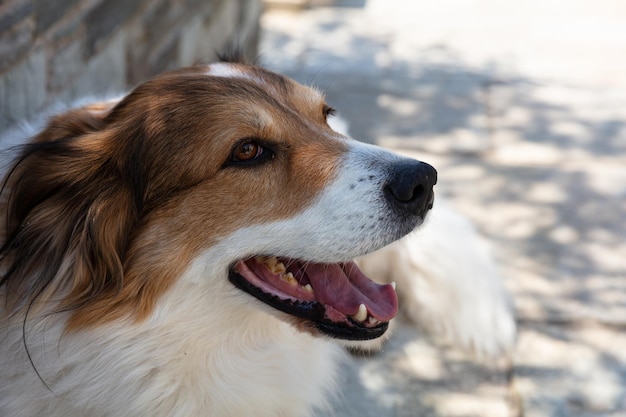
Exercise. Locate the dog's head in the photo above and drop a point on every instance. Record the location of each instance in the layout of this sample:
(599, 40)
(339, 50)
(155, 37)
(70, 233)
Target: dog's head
(229, 166)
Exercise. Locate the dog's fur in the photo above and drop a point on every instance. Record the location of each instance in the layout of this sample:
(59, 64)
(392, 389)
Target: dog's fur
(121, 225)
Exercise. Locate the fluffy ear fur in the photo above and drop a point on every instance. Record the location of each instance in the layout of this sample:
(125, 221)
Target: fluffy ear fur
(65, 199)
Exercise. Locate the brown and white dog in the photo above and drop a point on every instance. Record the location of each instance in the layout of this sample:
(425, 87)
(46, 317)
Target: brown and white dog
(186, 250)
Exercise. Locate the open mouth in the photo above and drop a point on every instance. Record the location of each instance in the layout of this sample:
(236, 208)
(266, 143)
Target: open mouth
(338, 299)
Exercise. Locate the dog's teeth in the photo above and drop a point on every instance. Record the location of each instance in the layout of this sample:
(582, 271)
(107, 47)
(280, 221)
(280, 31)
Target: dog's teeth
(308, 288)
(279, 268)
(289, 278)
(393, 284)
(361, 315)
(371, 320)
(271, 262)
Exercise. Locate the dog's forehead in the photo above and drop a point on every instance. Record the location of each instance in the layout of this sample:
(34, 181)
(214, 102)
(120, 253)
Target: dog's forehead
(275, 84)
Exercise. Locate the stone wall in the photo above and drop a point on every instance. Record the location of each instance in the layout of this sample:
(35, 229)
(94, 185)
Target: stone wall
(59, 50)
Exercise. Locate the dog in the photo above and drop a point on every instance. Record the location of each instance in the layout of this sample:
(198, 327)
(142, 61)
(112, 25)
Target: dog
(186, 250)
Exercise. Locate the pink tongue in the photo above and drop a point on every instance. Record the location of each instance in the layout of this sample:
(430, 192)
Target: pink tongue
(344, 287)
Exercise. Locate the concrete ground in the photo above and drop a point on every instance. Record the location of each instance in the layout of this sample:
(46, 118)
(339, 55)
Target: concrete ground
(521, 106)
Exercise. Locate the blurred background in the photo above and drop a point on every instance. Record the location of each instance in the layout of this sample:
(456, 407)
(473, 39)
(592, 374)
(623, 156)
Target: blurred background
(521, 106)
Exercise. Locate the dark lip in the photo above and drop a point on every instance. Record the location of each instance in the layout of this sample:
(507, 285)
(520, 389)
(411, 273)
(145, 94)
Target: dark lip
(337, 331)
(311, 311)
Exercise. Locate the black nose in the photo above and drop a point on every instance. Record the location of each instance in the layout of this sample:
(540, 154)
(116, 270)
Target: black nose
(410, 187)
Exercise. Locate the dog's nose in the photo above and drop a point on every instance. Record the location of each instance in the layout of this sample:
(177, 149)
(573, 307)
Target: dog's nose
(410, 187)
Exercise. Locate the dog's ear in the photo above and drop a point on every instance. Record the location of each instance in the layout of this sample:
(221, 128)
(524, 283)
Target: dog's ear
(68, 215)
(76, 122)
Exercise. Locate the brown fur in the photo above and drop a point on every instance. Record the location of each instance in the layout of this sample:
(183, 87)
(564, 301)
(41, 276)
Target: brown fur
(107, 205)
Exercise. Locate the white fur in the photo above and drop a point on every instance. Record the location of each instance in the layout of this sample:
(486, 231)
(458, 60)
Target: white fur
(223, 69)
(204, 352)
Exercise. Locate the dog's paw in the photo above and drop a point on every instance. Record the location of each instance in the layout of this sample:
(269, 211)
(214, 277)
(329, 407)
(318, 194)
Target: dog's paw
(448, 284)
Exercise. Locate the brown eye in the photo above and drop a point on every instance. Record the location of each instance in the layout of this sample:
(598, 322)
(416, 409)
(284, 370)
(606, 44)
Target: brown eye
(247, 151)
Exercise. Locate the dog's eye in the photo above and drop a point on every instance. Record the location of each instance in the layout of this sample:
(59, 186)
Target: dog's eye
(247, 151)
(252, 151)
